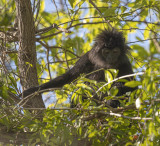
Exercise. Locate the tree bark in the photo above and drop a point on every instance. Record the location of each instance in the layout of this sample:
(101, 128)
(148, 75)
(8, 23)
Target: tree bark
(27, 50)
(19, 138)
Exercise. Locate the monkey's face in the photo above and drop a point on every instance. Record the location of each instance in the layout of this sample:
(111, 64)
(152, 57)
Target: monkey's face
(110, 55)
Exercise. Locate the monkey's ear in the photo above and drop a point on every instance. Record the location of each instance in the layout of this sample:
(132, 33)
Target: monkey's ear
(127, 48)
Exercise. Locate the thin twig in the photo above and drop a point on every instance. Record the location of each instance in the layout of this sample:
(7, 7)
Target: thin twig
(101, 113)
(142, 40)
(48, 64)
(122, 77)
(108, 21)
(56, 8)
(61, 29)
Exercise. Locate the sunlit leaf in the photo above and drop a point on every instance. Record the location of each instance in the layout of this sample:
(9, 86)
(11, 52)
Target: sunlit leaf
(133, 84)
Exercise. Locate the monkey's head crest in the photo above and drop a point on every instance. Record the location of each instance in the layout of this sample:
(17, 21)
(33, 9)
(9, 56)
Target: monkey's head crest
(110, 38)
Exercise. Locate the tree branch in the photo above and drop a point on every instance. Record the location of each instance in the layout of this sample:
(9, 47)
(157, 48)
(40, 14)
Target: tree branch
(101, 113)
(122, 77)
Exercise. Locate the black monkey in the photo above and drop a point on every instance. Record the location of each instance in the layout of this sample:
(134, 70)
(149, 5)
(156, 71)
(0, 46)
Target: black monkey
(109, 52)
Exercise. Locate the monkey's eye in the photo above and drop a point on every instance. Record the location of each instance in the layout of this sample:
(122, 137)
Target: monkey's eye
(105, 51)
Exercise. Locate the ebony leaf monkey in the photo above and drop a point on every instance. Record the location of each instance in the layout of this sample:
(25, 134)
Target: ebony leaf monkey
(108, 52)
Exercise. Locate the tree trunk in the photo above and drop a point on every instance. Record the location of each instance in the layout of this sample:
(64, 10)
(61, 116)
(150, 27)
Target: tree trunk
(27, 50)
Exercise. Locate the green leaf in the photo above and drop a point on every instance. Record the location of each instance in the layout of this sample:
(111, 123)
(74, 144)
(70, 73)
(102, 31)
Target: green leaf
(92, 134)
(13, 81)
(109, 12)
(42, 6)
(141, 51)
(114, 91)
(146, 34)
(123, 9)
(29, 64)
(73, 3)
(133, 84)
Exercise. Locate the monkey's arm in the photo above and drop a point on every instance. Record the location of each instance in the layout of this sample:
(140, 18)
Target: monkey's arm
(83, 65)
(124, 70)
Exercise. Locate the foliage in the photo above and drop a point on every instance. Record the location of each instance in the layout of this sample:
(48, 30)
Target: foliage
(137, 121)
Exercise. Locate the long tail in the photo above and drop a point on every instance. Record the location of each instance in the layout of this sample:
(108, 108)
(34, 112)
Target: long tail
(29, 91)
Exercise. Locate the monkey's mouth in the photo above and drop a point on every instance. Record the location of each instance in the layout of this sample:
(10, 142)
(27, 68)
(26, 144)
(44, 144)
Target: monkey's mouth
(112, 65)
(111, 62)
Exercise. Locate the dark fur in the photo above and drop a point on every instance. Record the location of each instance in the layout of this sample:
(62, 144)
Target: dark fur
(92, 61)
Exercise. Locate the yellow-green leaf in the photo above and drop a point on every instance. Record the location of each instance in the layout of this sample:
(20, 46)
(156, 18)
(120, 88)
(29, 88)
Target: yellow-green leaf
(133, 84)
